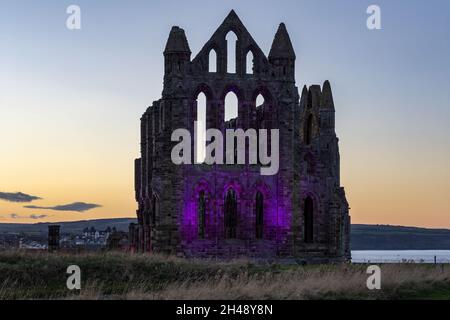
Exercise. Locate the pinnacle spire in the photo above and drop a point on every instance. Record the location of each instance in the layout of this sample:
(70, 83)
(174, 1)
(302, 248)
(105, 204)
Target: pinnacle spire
(232, 19)
(282, 45)
(304, 97)
(326, 101)
(177, 42)
(232, 14)
(314, 96)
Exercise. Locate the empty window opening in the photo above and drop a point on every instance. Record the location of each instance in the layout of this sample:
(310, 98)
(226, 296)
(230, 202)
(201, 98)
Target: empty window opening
(212, 61)
(231, 106)
(201, 127)
(259, 100)
(250, 63)
(231, 39)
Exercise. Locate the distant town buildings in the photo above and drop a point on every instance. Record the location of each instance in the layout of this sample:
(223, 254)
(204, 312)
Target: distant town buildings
(88, 239)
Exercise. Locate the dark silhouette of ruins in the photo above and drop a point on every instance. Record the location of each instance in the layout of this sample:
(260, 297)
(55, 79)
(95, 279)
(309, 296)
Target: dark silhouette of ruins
(228, 211)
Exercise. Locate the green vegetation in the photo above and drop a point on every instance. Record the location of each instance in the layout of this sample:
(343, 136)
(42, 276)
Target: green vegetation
(123, 276)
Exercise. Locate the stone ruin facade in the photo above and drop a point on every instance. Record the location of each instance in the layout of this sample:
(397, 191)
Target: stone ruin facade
(229, 211)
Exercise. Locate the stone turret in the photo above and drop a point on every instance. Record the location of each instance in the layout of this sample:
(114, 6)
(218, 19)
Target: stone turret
(327, 112)
(326, 101)
(53, 237)
(177, 53)
(314, 97)
(304, 98)
(282, 55)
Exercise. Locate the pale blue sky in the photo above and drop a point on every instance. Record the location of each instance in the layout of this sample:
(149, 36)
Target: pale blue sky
(71, 99)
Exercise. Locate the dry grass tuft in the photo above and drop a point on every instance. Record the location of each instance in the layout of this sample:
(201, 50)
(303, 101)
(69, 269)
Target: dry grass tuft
(125, 276)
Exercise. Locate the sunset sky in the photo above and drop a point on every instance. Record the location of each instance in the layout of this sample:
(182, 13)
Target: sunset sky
(70, 101)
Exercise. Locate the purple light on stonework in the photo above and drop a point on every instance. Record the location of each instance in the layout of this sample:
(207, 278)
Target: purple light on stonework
(189, 223)
(277, 213)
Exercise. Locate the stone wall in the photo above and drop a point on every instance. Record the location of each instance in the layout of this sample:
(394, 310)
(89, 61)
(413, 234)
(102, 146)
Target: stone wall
(168, 195)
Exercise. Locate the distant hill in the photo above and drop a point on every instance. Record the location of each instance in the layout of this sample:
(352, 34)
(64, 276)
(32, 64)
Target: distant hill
(364, 237)
(120, 224)
(382, 237)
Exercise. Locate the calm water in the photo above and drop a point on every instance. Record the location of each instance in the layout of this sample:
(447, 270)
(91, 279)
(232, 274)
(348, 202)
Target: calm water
(387, 256)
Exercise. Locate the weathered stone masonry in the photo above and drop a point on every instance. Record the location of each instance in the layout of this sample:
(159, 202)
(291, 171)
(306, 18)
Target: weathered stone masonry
(231, 210)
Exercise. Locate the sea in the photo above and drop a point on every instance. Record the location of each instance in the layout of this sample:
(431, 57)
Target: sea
(401, 256)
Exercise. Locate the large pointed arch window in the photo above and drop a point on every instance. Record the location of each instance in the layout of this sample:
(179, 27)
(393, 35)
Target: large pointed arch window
(231, 39)
(231, 106)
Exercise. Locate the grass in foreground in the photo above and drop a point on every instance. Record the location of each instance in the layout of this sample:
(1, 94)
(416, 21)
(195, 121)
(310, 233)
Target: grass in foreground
(124, 276)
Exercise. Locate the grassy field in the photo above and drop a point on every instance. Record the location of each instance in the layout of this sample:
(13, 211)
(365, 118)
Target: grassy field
(124, 276)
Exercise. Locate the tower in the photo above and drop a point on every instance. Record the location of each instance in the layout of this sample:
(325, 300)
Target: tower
(53, 238)
(282, 55)
(177, 54)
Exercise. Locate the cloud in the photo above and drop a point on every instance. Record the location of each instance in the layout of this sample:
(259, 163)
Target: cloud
(32, 216)
(17, 197)
(38, 217)
(76, 206)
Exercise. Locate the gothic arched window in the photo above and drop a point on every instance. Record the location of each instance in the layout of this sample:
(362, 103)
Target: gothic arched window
(201, 215)
(259, 100)
(250, 63)
(231, 39)
(308, 216)
(212, 61)
(231, 106)
(230, 214)
(259, 211)
(201, 127)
